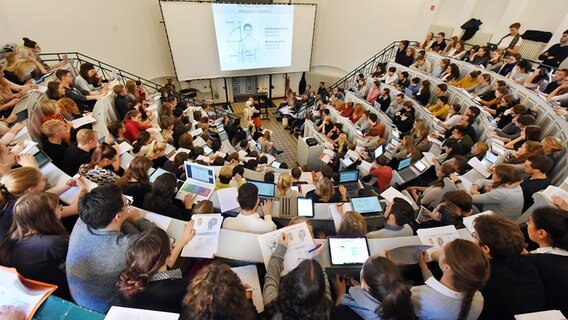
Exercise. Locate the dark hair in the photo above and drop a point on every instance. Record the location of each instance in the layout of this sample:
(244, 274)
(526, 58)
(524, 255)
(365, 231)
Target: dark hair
(144, 257)
(301, 294)
(180, 158)
(506, 173)
(470, 270)
(84, 71)
(404, 74)
(327, 171)
(114, 126)
(460, 198)
(444, 99)
(532, 133)
(501, 235)
(163, 191)
(555, 222)
(102, 152)
(238, 169)
(141, 140)
(449, 214)
(475, 111)
(515, 25)
(28, 43)
(392, 69)
(542, 163)
(33, 214)
(382, 160)
(53, 90)
(455, 146)
(247, 196)
(59, 74)
(296, 173)
(443, 87)
(137, 170)
(98, 207)
(216, 292)
(269, 176)
(403, 211)
(387, 286)
(373, 117)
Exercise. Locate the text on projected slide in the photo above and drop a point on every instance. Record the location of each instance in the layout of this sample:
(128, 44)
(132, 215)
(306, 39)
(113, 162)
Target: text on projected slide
(253, 36)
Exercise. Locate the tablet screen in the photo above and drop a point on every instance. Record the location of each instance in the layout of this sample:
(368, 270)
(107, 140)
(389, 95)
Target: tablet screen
(420, 166)
(378, 151)
(394, 142)
(207, 150)
(365, 205)
(265, 189)
(348, 251)
(395, 134)
(491, 157)
(275, 164)
(305, 207)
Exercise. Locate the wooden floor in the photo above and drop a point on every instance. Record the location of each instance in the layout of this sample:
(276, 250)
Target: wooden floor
(282, 138)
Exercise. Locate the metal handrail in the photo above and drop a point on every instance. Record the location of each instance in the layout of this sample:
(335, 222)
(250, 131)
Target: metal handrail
(369, 66)
(106, 70)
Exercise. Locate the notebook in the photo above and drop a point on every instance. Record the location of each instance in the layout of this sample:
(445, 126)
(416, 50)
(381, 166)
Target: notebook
(200, 181)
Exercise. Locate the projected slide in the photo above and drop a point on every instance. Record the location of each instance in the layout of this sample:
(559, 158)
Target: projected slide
(253, 36)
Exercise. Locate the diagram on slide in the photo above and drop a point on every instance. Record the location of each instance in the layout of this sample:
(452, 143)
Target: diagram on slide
(253, 36)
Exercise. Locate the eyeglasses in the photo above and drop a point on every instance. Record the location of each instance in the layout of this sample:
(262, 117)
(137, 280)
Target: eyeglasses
(474, 235)
(128, 204)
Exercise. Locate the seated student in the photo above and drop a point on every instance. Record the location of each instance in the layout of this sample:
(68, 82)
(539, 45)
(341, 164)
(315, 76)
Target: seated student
(460, 134)
(371, 140)
(422, 64)
(347, 109)
(85, 100)
(146, 282)
(133, 124)
(423, 94)
(162, 199)
(452, 118)
(352, 224)
(141, 145)
(382, 172)
(398, 215)
(556, 82)
(248, 219)
(530, 133)
(440, 91)
(80, 153)
(55, 146)
(303, 293)
(509, 65)
(452, 73)
(358, 113)
(521, 73)
(116, 129)
(374, 92)
(441, 108)
(374, 123)
(396, 105)
(390, 77)
(403, 81)
(216, 292)
(121, 101)
(430, 196)
(384, 99)
(37, 242)
(284, 187)
(225, 177)
(503, 194)
(176, 167)
(103, 167)
(381, 294)
(445, 214)
(514, 286)
(412, 89)
(96, 241)
(537, 167)
(326, 193)
(157, 153)
(465, 270)
(135, 181)
(462, 200)
(296, 175)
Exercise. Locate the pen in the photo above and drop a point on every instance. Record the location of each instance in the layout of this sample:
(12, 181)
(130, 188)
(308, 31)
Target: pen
(315, 248)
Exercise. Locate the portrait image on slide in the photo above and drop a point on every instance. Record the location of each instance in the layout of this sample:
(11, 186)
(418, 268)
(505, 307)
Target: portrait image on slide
(253, 36)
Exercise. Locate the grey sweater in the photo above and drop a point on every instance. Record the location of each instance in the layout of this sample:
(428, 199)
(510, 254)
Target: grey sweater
(95, 260)
(507, 201)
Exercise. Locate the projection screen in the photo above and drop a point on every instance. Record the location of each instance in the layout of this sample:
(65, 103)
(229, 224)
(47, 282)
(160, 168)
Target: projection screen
(251, 40)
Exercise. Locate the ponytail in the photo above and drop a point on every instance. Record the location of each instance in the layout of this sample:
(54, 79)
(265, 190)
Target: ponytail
(143, 138)
(395, 303)
(466, 304)
(132, 284)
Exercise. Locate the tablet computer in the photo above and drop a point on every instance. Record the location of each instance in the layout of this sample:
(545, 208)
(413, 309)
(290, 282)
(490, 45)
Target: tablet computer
(42, 158)
(305, 207)
(348, 251)
(420, 166)
(366, 205)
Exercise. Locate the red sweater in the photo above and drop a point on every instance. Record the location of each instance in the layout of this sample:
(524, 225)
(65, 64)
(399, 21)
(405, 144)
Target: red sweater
(133, 129)
(384, 176)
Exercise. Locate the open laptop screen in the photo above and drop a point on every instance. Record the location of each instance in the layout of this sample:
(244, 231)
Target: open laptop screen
(265, 189)
(348, 176)
(404, 163)
(378, 151)
(199, 172)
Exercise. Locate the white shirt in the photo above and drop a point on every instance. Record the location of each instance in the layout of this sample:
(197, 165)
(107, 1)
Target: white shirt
(551, 250)
(250, 223)
(389, 79)
(507, 41)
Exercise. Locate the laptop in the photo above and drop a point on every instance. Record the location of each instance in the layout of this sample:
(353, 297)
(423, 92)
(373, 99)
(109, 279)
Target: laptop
(21, 116)
(42, 159)
(223, 135)
(348, 251)
(366, 205)
(394, 142)
(207, 150)
(350, 179)
(489, 158)
(395, 134)
(200, 181)
(404, 163)
(379, 151)
(305, 207)
(266, 190)
(158, 172)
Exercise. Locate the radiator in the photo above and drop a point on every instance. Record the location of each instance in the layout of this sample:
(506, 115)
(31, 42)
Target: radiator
(531, 49)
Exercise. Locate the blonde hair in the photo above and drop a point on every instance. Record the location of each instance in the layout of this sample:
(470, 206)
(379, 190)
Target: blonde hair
(324, 189)
(131, 88)
(420, 129)
(85, 135)
(48, 107)
(482, 146)
(155, 148)
(68, 107)
(49, 128)
(16, 183)
(284, 183)
(22, 69)
(352, 224)
(553, 143)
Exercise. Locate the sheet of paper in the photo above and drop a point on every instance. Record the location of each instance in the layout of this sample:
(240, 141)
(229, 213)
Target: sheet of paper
(203, 158)
(437, 237)
(220, 154)
(249, 275)
(466, 183)
(392, 193)
(206, 240)
(434, 140)
(121, 313)
(124, 147)
(160, 220)
(542, 315)
(228, 199)
(366, 166)
(199, 142)
(335, 214)
(353, 155)
(325, 158)
(28, 146)
(429, 156)
(301, 242)
(22, 293)
(197, 132)
(305, 188)
(270, 158)
(553, 191)
(242, 154)
(329, 152)
(83, 121)
(154, 130)
(479, 167)
(307, 177)
(468, 221)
